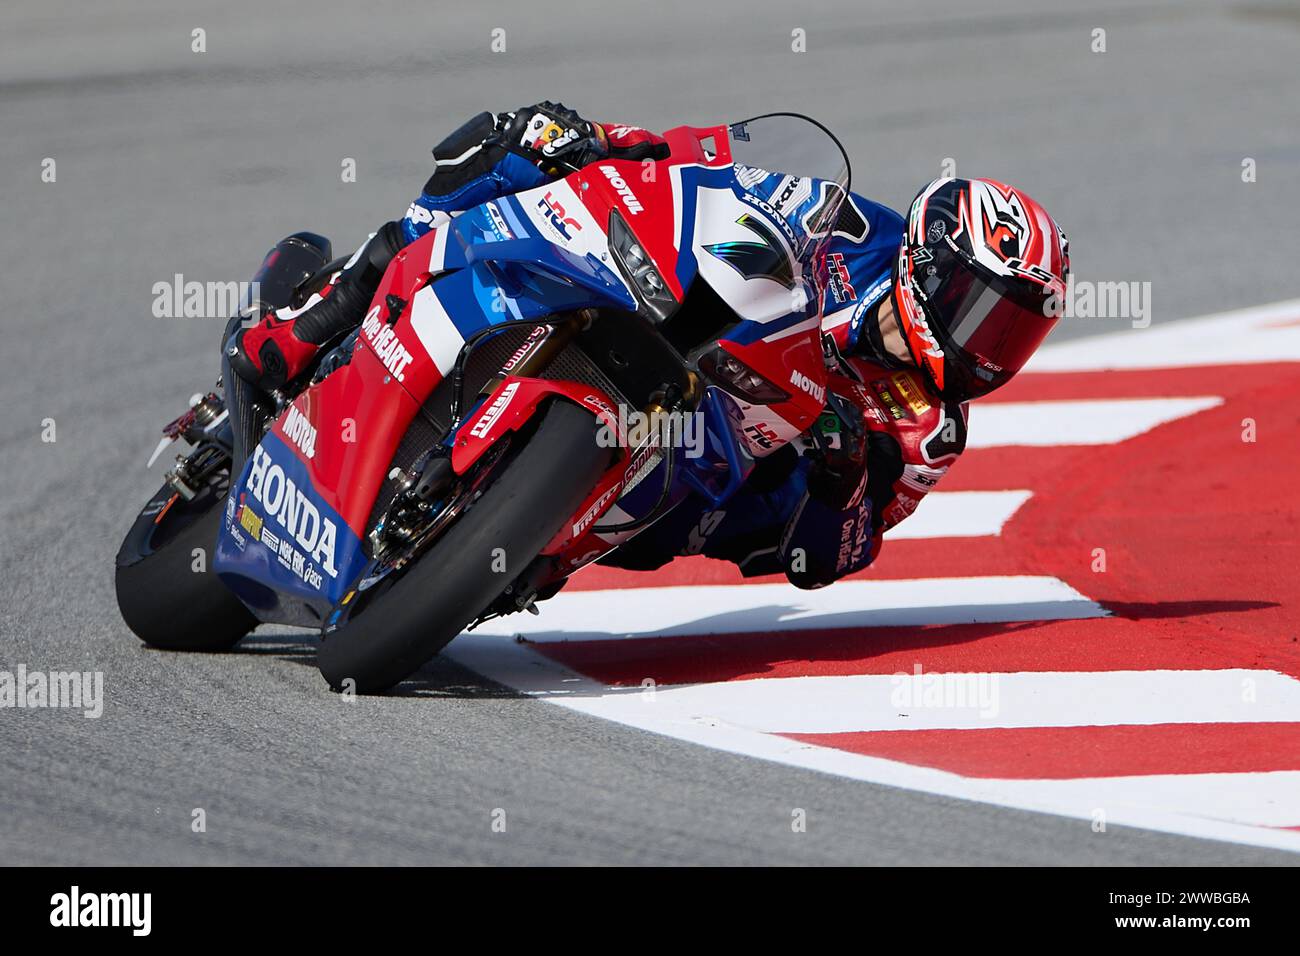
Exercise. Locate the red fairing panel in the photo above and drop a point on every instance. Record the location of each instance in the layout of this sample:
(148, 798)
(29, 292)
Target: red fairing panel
(646, 205)
(643, 192)
(512, 405)
(795, 364)
(402, 346)
(347, 428)
(347, 461)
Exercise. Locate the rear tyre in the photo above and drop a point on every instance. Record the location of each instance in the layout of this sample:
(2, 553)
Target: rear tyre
(167, 592)
(401, 628)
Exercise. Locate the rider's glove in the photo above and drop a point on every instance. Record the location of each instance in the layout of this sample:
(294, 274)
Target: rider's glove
(557, 139)
(838, 474)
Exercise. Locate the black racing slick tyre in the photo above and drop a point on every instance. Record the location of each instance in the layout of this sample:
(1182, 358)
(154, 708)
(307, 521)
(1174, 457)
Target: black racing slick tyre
(401, 628)
(167, 592)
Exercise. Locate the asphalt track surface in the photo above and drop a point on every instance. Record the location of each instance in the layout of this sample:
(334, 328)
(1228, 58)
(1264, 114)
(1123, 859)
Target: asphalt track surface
(170, 161)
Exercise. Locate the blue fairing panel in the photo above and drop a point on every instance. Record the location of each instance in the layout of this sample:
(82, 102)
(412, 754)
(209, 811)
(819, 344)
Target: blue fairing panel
(520, 273)
(278, 534)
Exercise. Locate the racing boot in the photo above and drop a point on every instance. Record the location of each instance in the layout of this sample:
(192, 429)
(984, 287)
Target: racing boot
(283, 342)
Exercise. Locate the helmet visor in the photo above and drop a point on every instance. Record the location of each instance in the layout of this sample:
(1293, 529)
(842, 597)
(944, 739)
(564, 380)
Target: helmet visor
(987, 328)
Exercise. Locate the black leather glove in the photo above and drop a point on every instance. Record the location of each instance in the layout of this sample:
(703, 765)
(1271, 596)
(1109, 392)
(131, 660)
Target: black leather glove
(557, 139)
(838, 475)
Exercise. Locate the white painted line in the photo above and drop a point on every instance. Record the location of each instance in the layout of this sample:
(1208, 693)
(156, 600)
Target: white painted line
(1257, 799)
(1096, 422)
(1245, 336)
(1245, 808)
(960, 514)
(760, 608)
(1261, 800)
(1242, 808)
(872, 702)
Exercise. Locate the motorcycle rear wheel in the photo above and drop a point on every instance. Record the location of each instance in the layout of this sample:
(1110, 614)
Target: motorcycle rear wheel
(400, 629)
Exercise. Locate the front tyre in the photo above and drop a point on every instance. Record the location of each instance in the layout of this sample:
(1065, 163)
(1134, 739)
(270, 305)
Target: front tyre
(166, 589)
(446, 588)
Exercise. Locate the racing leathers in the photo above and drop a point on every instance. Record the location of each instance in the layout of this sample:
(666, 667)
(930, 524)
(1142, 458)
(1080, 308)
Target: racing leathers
(815, 515)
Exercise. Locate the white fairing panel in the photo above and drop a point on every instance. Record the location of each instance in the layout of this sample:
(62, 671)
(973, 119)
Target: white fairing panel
(557, 214)
(720, 218)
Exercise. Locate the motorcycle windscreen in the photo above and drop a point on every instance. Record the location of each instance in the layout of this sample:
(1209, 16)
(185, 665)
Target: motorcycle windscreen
(797, 168)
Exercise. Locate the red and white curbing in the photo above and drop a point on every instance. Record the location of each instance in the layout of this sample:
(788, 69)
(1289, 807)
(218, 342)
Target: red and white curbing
(1158, 689)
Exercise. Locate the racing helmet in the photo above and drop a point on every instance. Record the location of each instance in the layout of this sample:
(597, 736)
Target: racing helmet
(978, 283)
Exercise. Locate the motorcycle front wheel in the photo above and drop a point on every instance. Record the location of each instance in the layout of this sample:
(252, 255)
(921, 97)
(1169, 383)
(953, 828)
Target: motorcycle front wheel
(447, 587)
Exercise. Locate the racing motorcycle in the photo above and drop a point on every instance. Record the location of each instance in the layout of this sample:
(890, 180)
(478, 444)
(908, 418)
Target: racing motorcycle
(466, 449)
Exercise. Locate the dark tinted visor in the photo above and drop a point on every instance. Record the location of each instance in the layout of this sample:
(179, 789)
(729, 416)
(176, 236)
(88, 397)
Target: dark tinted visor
(993, 327)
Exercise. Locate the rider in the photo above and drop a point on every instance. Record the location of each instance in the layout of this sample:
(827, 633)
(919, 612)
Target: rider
(920, 317)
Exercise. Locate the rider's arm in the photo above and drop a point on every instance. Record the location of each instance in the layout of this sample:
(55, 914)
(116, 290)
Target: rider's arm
(471, 167)
(911, 439)
(497, 154)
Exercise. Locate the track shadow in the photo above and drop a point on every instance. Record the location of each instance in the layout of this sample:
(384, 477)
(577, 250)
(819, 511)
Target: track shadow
(758, 649)
(720, 657)
(1149, 610)
(440, 677)
(297, 648)
(773, 618)
(444, 678)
